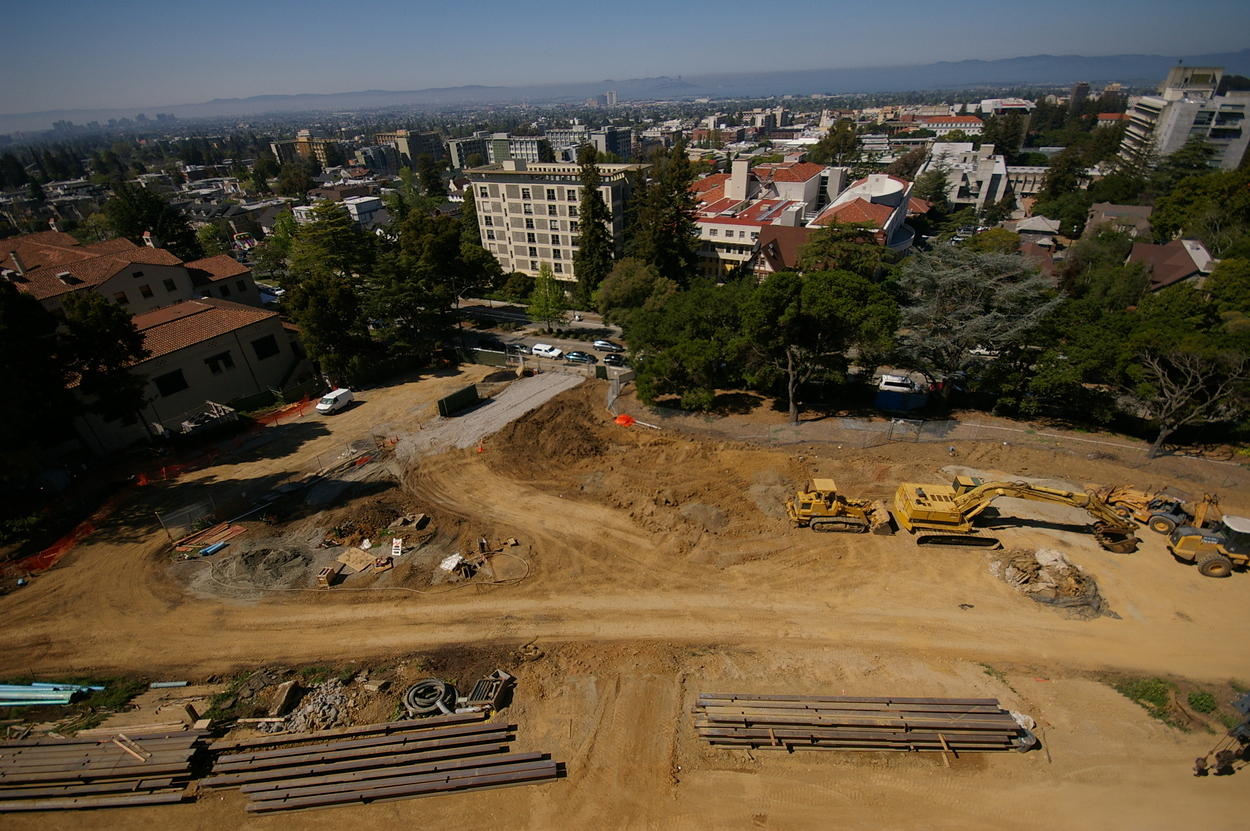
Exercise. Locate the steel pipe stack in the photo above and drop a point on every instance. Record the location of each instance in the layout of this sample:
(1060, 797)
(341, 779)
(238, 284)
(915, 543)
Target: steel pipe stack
(52, 774)
(815, 722)
(377, 762)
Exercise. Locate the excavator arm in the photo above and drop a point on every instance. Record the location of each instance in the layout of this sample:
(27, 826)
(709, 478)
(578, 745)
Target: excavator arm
(1112, 531)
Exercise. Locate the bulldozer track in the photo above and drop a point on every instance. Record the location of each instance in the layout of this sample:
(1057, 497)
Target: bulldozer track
(839, 526)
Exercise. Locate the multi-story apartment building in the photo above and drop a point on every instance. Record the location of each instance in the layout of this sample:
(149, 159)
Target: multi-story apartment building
(528, 213)
(1188, 107)
(304, 146)
(502, 147)
(412, 146)
(975, 176)
(616, 140)
(460, 149)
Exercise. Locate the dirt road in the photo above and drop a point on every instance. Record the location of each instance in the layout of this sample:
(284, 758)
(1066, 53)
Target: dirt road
(659, 567)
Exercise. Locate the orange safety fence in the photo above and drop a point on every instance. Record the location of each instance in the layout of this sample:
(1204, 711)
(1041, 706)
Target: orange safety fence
(295, 410)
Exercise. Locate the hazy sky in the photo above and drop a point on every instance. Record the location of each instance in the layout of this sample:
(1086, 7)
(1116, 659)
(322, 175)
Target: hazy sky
(130, 53)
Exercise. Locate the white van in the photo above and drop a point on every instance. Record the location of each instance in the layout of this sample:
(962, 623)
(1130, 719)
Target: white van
(334, 401)
(897, 383)
(546, 350)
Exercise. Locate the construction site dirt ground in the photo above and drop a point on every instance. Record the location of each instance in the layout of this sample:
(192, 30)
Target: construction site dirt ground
(653, 566)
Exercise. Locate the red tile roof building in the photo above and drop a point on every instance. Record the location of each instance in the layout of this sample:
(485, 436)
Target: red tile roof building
(1175, 262)
(943, 124)
(51, 265)
(204, 350)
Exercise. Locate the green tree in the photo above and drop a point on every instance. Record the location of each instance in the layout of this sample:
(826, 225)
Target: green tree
(1192, 159)
(956, 300)
(547, 302)
(104, 345)
(593, 259)
(1213, 207)
(431, 178)
(906, 165)
(295, 179)
(1229, 286)
(517, 287)
(666, 235)
(631, 285)
(134, 209)
(840, 145)
(327, 309)
(331, 239)
(1066, 174)
(690, 344)
(994, 241)
(1005, 132)
(213, 240)
(846, 247)
(795, 326)
(932, 186)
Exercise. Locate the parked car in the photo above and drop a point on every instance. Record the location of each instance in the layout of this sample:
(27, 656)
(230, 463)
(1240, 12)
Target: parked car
(983, 352)
(607, 346)
(518, 349)
(576, 357)
(334, 401)
(546, 350)
(614, 360)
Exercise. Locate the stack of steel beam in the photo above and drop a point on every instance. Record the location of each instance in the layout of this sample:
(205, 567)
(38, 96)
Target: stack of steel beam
(377, 762)
(51, 774)
(830, 722)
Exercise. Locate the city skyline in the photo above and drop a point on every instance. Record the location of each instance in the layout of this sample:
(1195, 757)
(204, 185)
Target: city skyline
(281, 49)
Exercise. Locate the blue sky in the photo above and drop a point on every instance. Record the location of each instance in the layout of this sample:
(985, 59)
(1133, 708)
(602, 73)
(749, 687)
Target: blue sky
(124, 53)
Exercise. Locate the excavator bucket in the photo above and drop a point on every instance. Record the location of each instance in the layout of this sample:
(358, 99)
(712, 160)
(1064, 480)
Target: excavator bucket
(1117, 540)
(879, 519)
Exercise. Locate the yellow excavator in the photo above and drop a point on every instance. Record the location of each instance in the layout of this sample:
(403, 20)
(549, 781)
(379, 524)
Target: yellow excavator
(821, 507)
(943, 514)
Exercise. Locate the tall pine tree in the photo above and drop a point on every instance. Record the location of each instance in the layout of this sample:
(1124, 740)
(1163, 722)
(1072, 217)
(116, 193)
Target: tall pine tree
(593, 259)
(666, 236)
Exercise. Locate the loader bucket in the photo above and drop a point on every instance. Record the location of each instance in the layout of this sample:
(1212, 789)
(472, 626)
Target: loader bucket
(879, 519)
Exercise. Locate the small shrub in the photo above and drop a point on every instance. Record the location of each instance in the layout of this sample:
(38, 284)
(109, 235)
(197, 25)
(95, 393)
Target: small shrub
(1202, 702)
(1152, 693)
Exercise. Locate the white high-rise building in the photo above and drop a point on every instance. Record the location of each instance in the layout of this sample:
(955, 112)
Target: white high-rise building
(528, 214)
(1187, 107)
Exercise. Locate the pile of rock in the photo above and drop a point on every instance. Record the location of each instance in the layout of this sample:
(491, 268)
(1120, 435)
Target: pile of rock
(1046, 576)
(326, 705)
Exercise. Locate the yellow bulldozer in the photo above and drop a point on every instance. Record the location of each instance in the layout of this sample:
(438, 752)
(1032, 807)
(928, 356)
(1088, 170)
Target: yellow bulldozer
(821, 507)
(943, 514)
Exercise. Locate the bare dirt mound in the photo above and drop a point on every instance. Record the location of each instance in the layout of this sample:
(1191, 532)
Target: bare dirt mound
(561, 430)
(666, 482)
(267, 568)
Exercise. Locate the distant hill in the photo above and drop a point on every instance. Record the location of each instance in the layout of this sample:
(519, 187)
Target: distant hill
(1033, 69)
